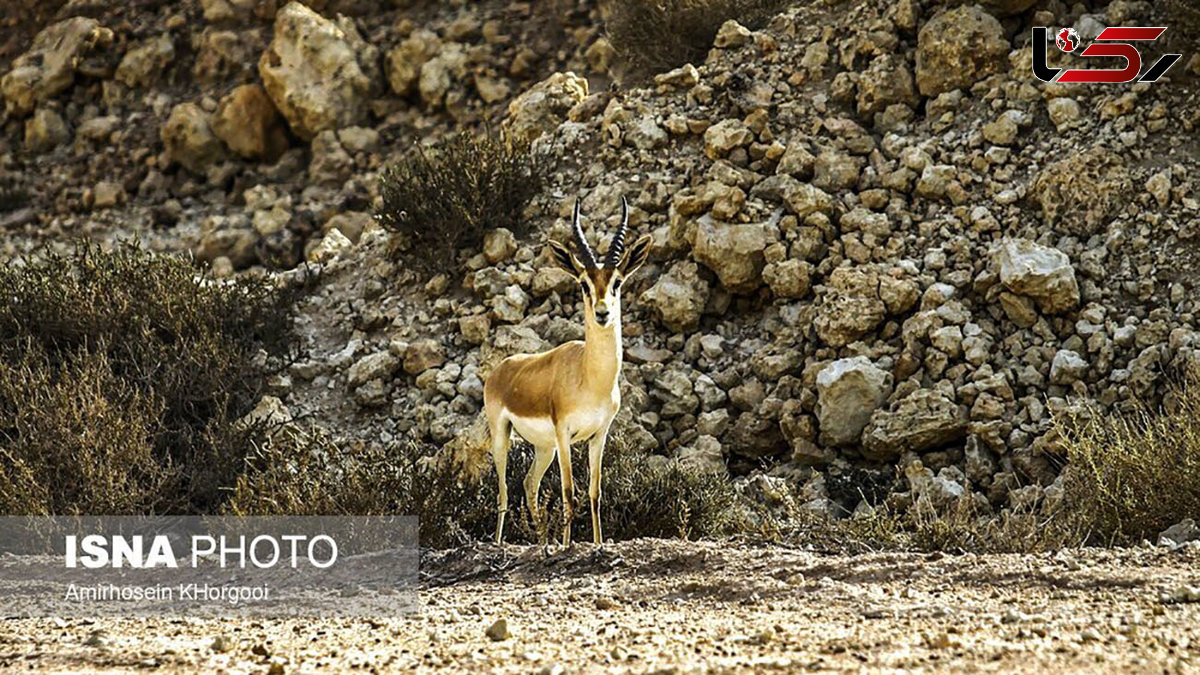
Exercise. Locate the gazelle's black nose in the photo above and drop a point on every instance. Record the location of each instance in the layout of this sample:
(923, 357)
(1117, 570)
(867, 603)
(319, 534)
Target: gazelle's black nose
(602, 315)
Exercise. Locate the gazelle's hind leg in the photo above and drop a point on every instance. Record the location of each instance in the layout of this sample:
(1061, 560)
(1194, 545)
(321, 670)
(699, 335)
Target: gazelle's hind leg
(500, 430)
(533, 482)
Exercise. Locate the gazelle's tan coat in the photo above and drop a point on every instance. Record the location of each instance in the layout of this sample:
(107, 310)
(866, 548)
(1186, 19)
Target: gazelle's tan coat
(570, 393)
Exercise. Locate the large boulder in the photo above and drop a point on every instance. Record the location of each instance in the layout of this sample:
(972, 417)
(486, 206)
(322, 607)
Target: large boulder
(45, 130)
(247, 121)
(312, 72)
(704, 454)
(887, 81)
(957, 48)
(404, 63)
(144, 64)
(1041, 273)
(378, 366)
(189, 140)
(788, 278)
(848, 393)
(678, 297)
(544, 106)
(49, 66)
(440, 73)
(923, 420)
(222, 56)
(850, 306)
(723, 137)
(219, 11)
(734, 252)
(1081, 193)
(999, 8)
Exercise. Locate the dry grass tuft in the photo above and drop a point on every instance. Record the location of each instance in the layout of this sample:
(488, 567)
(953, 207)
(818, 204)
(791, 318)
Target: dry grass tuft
(960, 527)
(1132, 476)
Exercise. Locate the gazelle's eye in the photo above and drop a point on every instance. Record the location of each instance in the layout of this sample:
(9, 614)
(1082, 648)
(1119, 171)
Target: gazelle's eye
(616, 286)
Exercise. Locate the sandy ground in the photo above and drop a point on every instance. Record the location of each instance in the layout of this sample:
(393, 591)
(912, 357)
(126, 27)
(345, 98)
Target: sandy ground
(675, 607)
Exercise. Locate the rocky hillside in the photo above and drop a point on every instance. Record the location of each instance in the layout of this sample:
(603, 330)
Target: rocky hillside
(885, 255)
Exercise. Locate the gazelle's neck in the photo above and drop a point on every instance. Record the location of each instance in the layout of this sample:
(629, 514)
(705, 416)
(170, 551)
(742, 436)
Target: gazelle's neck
(602, 353)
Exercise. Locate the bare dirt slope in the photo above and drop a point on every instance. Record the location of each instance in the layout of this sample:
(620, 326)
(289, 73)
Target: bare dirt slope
(668, 606)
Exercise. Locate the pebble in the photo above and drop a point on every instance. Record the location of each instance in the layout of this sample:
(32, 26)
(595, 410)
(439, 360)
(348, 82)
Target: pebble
(498, 631)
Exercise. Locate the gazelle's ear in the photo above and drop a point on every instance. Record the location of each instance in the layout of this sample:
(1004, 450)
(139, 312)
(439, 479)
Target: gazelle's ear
(636, 256)
(565, 259)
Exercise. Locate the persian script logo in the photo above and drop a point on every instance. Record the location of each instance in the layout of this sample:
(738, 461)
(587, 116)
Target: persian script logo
(1116, 42)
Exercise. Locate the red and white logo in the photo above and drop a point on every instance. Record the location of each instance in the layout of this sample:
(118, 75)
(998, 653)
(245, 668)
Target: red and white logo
(1112, 42)
(1068, 40)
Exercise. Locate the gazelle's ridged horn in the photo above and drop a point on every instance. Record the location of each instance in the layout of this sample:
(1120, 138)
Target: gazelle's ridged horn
(617, 248)
(585, 251)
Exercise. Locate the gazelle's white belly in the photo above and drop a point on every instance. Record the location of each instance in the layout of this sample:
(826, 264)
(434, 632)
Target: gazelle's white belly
(541, 432)
(537, 430)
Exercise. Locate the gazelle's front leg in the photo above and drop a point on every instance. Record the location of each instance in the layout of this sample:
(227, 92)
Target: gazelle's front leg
(568, 482)
(595, 461)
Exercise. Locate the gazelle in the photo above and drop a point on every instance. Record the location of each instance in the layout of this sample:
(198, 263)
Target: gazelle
(570, 393)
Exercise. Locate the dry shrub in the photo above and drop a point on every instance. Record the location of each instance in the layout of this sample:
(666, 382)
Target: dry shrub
(644, 499)
(652, 36)
(444, 198)
(303, 473)
(641, 496)
(124, 374)
(75, 438)
(1131, 476)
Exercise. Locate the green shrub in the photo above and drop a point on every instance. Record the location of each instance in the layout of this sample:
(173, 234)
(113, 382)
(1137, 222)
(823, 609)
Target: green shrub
(652, 36)
(124, 374)
(444, 198)
(1133, 475)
